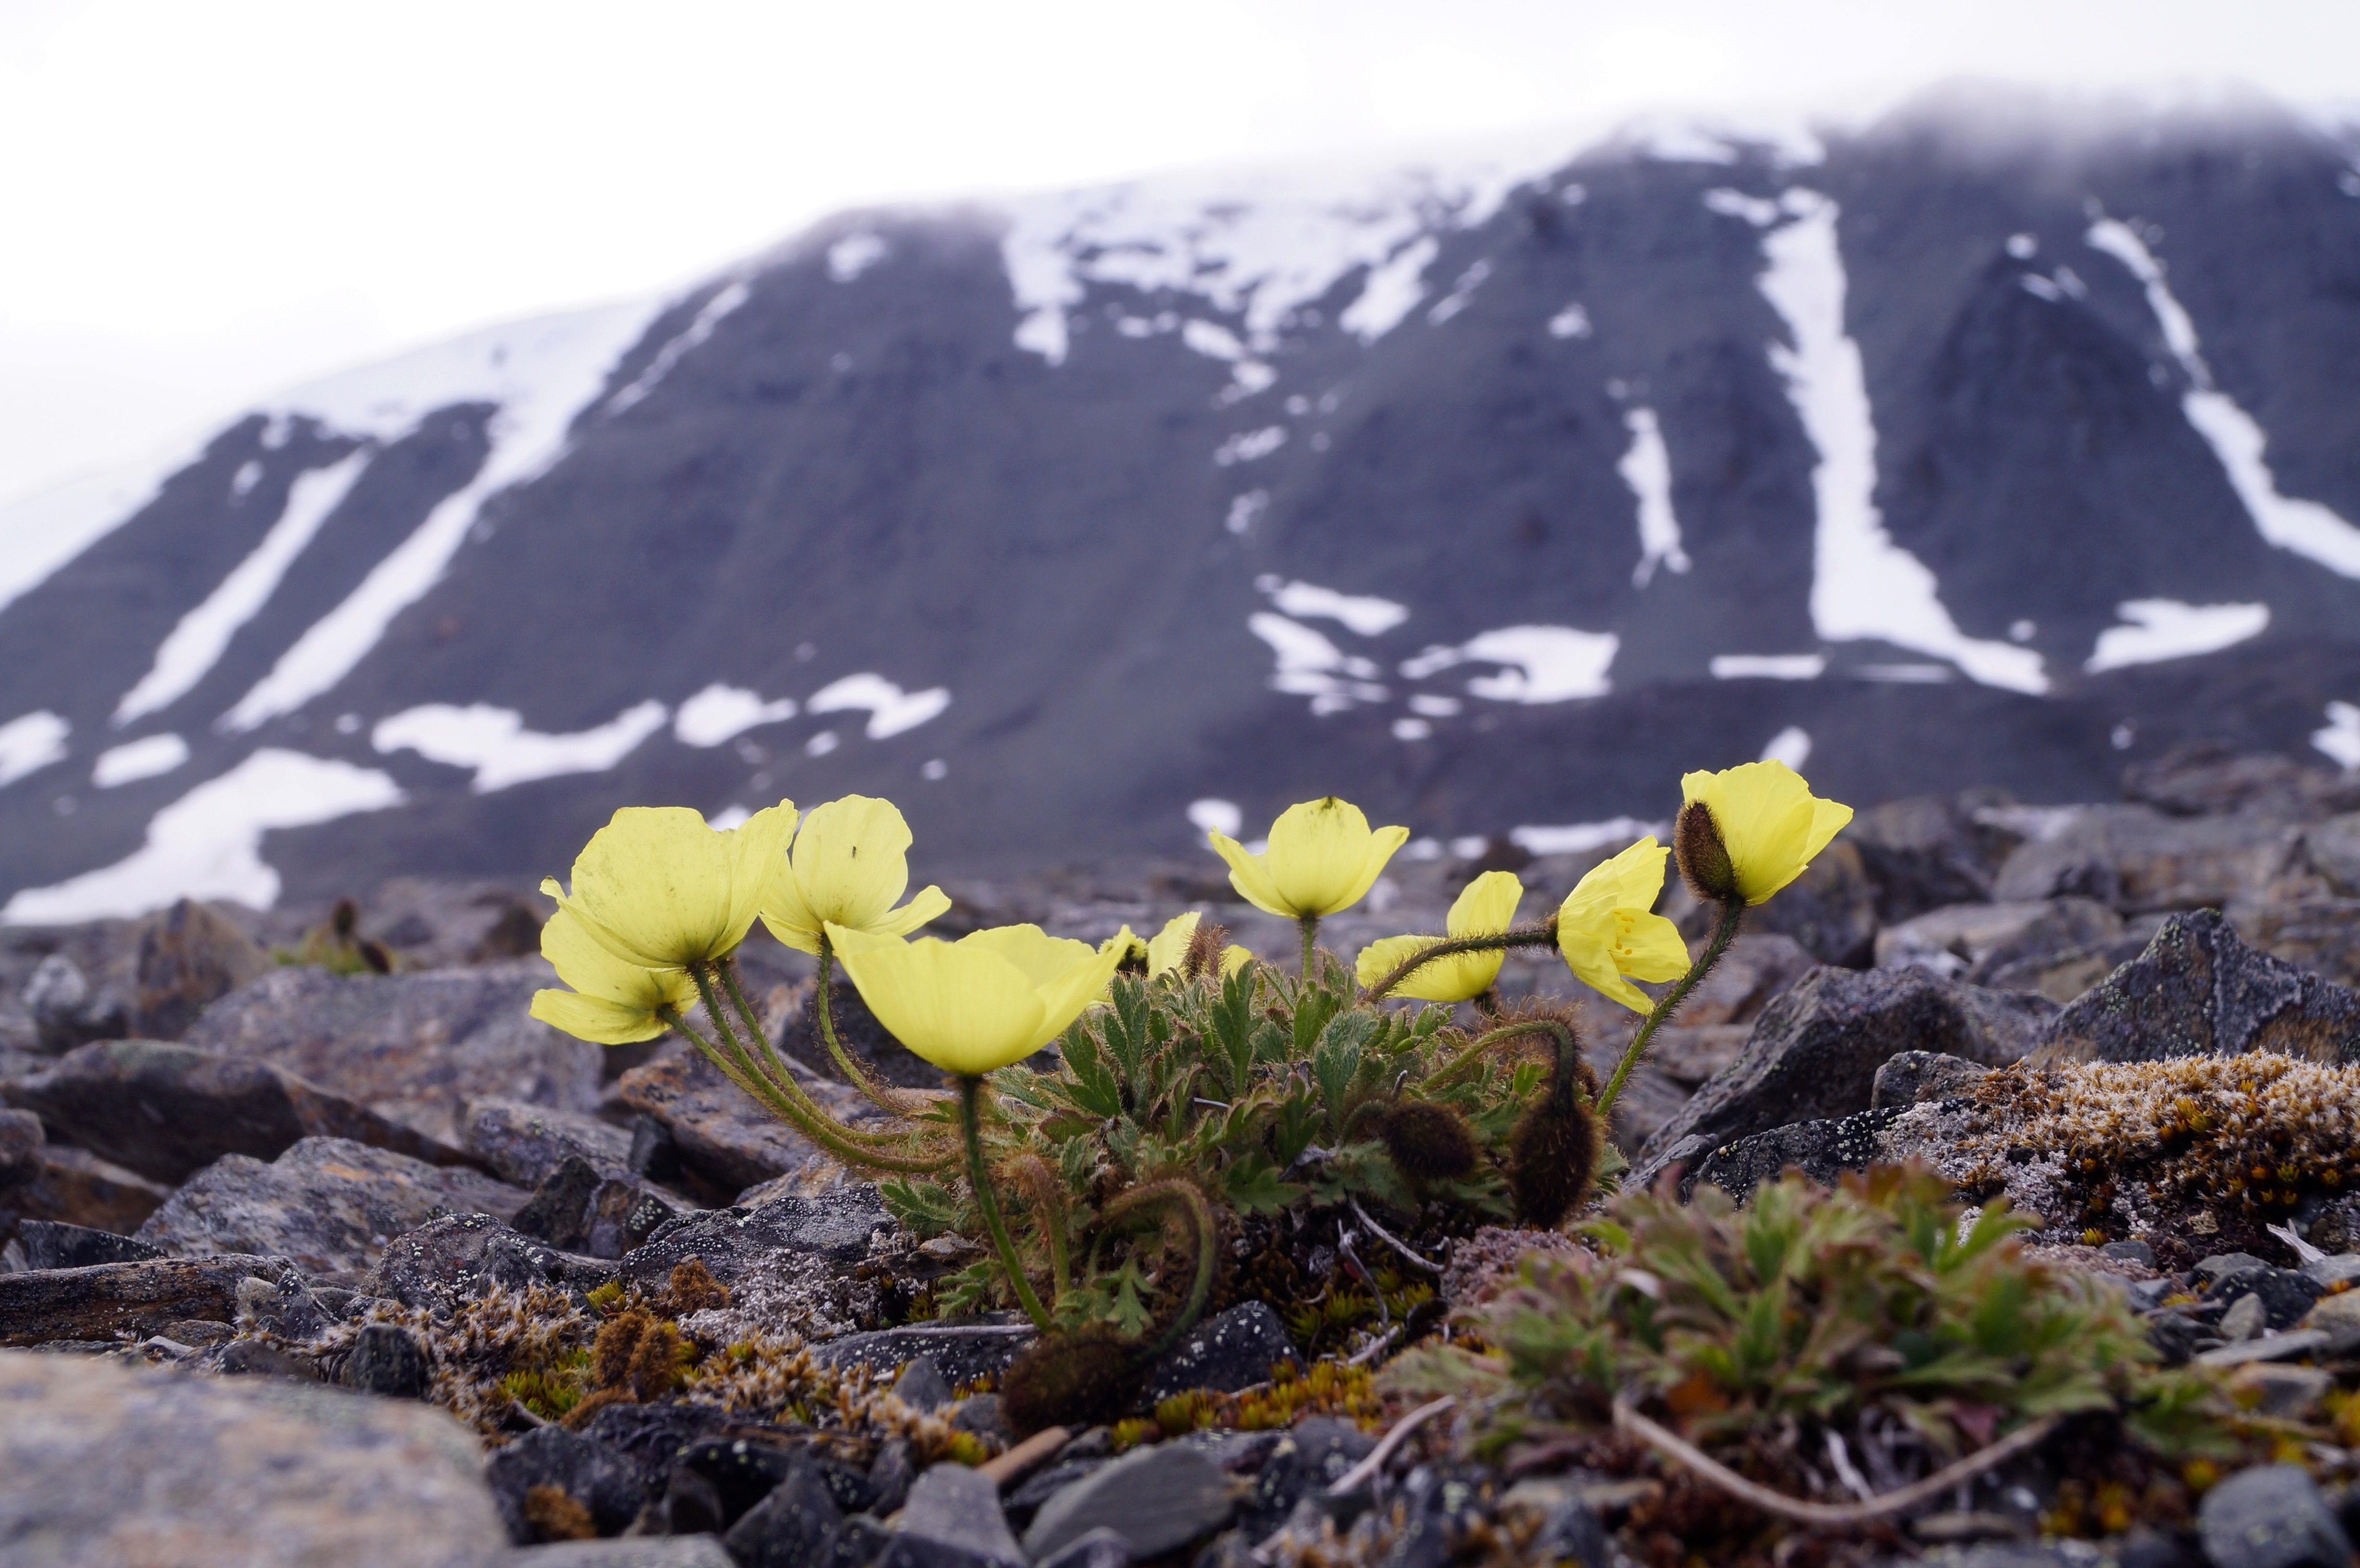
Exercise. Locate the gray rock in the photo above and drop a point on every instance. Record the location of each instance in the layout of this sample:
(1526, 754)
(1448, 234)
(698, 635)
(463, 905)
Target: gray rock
(837, 1226)
(2331, 849)
(922, 1384)
(958, 1506)
(331, 1204)
(1910, 1076)
(962, 1356)
(599, 1213)
(75, 1187)
(1948, 941)
(2245, 1318)
(190, 957)
(2284, 1295)
(603, 1480)
(2137, 859)
(2062, 926)
(2196, 991)
(2220, 1266)
(2132, 1251)
(139, 1298)
(1230, 1351)
(1101, 1548)
(51, 1244)
(167, 1111)
(1821, 1149)
(2211, 778)
(1829, 911)
(2271, 1516)
(642, 1551)
(1814, 1053)
(102, 1462)
(722, 1136)
(1155, 1498)
(387, 1359)
(21, 1135)
(2336, 1268)
(2321, 936)
(67, 1010)
(459, 1257)
(1922, 853)
(1308, 1460)
(415, 1047)
(522, 1143)
(792, 1526)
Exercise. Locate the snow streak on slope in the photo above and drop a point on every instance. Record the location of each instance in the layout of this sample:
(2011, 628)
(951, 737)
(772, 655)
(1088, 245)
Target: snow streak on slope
(31, 743)
(540, 372)
(208, 844)
(2288, 522)
(1863, 586)
(193, 647)
(721, 712)
(1543, 664)
(143, 758)
(715, 311)
(2165, 628)
(1259, 244)
(1647, 469)
(494, 743)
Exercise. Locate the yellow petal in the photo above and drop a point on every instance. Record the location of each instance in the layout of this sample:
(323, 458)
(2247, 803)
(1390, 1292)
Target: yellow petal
(924, 906)
(851, 860)
(596, 1019)
(1167, 948)
(1649, 947)
(1040, 958)
(1485, 906)
(656, 886)
(1770, 821)
(1322, 856)
(1456, 978)
(1064, 997)
(757, 852)
(1234, 958)
(1250, 875)
(962, 1005)
(1589, 953)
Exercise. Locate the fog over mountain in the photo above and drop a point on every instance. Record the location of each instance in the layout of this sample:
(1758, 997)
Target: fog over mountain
(1992, 444)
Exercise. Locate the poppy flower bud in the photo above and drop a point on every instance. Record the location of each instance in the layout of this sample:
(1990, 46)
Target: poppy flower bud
(1428, 1142)
(1703, 854)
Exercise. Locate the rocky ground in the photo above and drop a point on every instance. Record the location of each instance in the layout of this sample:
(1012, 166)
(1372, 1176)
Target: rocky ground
(317, 1249)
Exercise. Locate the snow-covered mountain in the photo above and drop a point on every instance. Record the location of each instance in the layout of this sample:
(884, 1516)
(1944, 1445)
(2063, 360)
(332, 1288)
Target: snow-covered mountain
(1990, 444)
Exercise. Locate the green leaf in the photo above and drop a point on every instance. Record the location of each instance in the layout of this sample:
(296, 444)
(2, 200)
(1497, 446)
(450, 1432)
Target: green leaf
(1252, 1187)
(926, 1209)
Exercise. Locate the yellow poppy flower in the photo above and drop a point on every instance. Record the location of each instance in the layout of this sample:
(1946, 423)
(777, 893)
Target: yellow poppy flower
(1770, 823)
(1485, 907)
(613, 1002)
(1168, 948)
(849, 865)
(657, 887)
(1234, 958)
(1605, 931)
(990, 998)
(1322, 859)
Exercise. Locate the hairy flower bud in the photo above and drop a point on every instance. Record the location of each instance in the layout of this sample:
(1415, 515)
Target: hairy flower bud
(1088, 1378)
(1703, 854)
(1428, 1141)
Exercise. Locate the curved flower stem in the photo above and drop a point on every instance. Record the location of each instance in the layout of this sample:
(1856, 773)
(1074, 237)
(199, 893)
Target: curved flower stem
(1309, 925)
(1541, 935)
(1724, 931)
(1561, 1039)
(979, 1175)
(1191, 1202)
(823, 1000)
(776, 1072)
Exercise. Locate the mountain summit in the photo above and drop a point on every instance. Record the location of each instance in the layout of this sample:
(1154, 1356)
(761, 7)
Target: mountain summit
(1983, 445)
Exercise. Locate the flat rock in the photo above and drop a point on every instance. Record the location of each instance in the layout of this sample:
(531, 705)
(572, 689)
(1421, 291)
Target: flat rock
(2137, 859)
(961, 1356)
(836, 1226)
(958, 1506)
(104, 1462)
(1156, 1499)
(1814, 1053)
(51, 1244)
(414, 1048)
(1228, 1351)
(167, 1110)
(1821, 1149)
(602, 1213)
(522, 1143)
(1910, 1076)
(723, 1135)
(649, 1551)
(2197, 990)
(190, 956)
(73, 1186)
(331, 1204)
(2271, 1515)
(139, 1297)
(459, 1257)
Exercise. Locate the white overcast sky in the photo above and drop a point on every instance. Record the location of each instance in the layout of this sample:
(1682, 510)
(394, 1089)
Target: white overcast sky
(202, 200)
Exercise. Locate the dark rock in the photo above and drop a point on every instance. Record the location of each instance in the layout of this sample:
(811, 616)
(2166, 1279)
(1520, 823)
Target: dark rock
(414, 1048)
(1910, 1076)
(2220, 1266)
(1436, 1508)
(1099, 1548)
(720, 1134)
(2335, 1268)
(837, 1228)
(167, 1111)
(654, 1153)
(2285, 1295)
(600, 1215)
(958, 1506)
(190, 956)
(2271, 1515)
(1830, 909)
(857, 1030)
(458, 1257)
(2065, 975)
(654, 1436)
(73, 1186)
(2136, 858)
(1816, 1051)
(67, 1011)
(1233, 1350)
(258, 1358)
(139, 1298)
(2197, 990)
(792, 1526)
(51, 1244)
(21, 1137)
(103, 1461)
(979, 1413)
(1308, 1460)
(594, 1475)
(1570, 1530)
(629, 1551)
(1156, 1499)
(280, 1304)
(2211, 778)
(742, 1469)
(692, 1505)
(1821, 1150)
(1931, 850)
(890, 1475)
(522, 1143)
(902, 1550)
(1043, 1484)
(387, 1359)
(922, 1384)
(331, 1204)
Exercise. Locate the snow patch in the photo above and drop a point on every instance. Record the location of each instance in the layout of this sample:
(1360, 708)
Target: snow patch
(540, 372)
(1460, 293)
(1392, 292)
(248, 475)
(1368, 615)
(2165, 628)
(1579, 838)
(1412, 729)
(1250, 447)
(1864, 586)
(1573, 321)
(1769, 666)
(208, 844)
(719, 713)
(1432, 706)
(494, 743)
(1213, 814)
(1647, 469)
(691, 337)
(1246, 510)
(853, 254)
(193, 647)
(1545, 664)
(1310, 666)
(1791, 745)
(30, 744)
(2288, 522)
(1213, 341)
(2340, 738)
(890, 708)
(142, 758)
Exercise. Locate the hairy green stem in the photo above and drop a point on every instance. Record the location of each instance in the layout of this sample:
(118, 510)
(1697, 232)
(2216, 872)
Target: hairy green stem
(823, 999)
(1724, 931)
(1541, 935)
(971, 1116)
(1191, 1202)
(777, 1074)
(1568, 1050)
(1309, 925)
